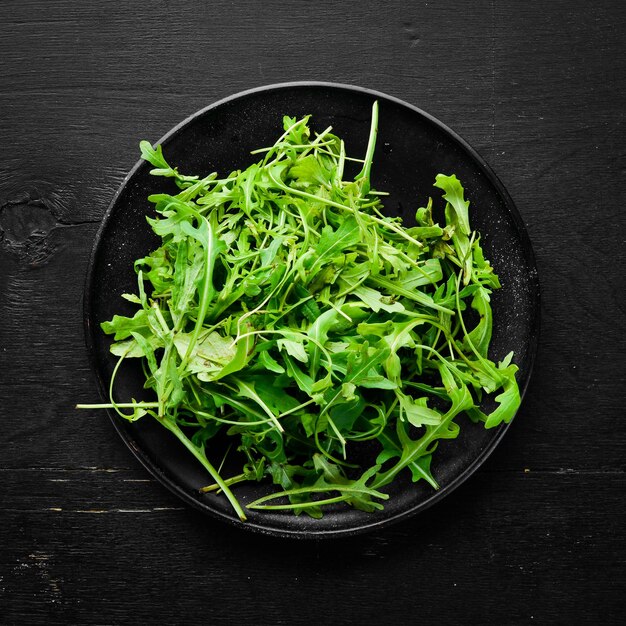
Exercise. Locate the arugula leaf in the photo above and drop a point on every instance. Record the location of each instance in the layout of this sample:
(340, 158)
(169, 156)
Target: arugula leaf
(332, 243)
(454, 194)
(376, 301)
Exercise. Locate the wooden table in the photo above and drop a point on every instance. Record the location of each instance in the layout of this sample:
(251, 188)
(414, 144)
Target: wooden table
(536, 536)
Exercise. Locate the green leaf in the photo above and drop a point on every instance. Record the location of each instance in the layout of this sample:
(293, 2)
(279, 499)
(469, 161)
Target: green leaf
(131, 349)
(304, 382)
(430, 273)
(509, 400)
(420, 467)
(269, 363)
(309, 170)
(416, 411)
(376, 301)
(154, 156)
(294, 346)
(362, 362)
(480, 336)
(397, 289)
(454, 194)
(122, 327)
(214, 356)
(333, 243)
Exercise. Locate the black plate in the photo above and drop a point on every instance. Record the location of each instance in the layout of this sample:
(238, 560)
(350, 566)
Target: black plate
(412, 148)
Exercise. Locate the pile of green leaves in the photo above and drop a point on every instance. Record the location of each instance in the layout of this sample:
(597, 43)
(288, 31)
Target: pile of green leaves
(286, 310)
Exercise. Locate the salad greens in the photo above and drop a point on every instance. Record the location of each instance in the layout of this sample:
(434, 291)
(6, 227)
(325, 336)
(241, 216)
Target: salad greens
(331, 344)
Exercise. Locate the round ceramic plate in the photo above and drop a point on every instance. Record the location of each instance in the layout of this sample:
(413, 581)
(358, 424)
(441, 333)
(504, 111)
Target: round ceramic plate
(412, 148)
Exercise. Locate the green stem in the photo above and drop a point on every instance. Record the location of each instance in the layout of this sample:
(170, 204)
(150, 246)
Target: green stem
(120, 405)
(369, 154)
(299, 505)
(346, 489)
(173, 427)
(233, 480)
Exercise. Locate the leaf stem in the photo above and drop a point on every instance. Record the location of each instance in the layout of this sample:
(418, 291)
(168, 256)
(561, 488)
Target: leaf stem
(173, 427)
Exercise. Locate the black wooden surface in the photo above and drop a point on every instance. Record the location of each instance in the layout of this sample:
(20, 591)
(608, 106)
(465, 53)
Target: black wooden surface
(537, 536)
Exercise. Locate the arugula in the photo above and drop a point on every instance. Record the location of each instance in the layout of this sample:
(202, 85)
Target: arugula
(286, 311)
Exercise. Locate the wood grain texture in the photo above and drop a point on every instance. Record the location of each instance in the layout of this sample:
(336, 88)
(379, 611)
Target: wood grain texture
(211, 573)
(537, 88)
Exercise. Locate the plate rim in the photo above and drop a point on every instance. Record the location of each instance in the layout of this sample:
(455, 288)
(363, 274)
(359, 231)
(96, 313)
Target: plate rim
(308, 533)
